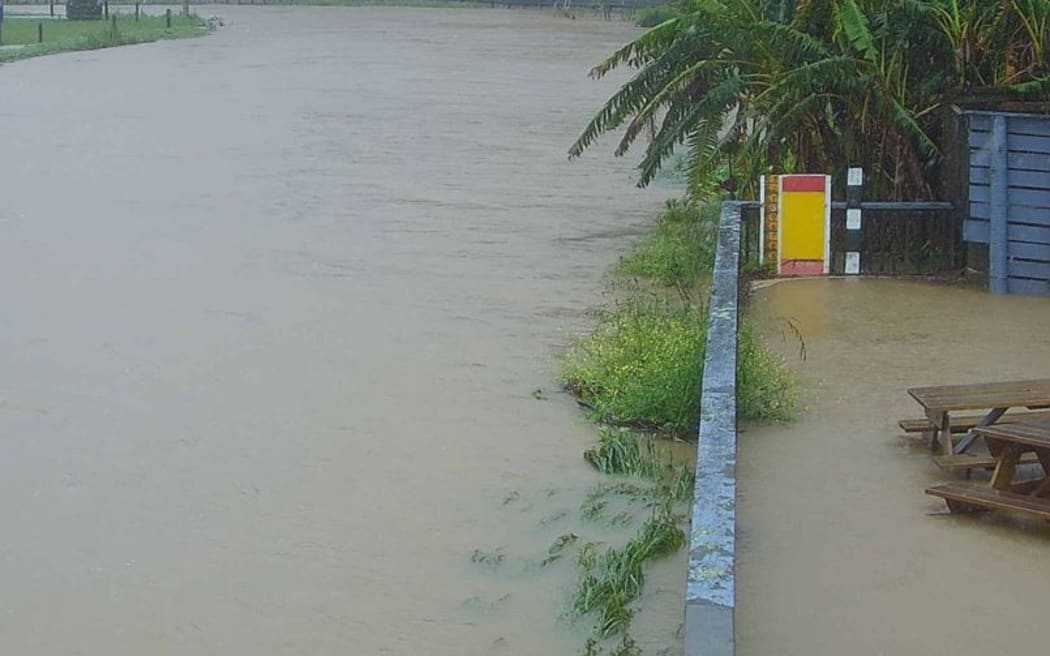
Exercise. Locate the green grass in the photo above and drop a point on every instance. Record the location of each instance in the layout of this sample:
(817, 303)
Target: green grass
(623, 452)
(642, 366)
(62, 35)
(611, 581)
(680, 250)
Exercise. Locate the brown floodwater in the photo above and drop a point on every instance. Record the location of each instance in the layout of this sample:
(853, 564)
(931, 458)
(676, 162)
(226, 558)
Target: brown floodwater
(839, 550)
(275, 304)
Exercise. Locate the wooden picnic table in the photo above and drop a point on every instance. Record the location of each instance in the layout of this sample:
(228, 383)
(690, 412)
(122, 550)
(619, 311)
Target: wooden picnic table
(1008, 443)
(940, 402)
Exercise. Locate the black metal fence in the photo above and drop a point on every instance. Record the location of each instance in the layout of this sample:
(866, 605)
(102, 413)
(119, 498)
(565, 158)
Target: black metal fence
(902, 239)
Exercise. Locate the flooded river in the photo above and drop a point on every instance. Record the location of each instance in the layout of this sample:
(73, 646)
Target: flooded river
(275, 305)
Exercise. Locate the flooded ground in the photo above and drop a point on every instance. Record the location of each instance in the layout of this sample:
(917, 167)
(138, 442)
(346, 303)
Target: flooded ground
(840, 551)
(276, 302)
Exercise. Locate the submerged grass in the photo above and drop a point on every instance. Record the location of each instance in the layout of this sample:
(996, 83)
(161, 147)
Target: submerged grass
(624, 452)
(641, 369)
(67, 35)
(611, 581)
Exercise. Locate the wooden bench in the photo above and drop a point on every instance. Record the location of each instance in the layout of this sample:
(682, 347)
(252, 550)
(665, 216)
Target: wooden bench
(1009, 444)
(963, 497)
(964, 424)
(975, 461)
(940, 404)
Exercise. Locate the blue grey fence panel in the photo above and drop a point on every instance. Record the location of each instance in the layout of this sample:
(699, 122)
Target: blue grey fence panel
(1009, 198)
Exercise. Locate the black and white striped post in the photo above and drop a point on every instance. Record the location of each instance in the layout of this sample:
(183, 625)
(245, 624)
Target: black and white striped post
(854, 220)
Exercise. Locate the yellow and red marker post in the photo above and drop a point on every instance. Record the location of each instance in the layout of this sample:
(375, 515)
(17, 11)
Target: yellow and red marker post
(796, 228)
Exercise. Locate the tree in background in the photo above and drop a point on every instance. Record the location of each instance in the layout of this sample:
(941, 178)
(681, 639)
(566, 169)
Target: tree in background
(748, 87)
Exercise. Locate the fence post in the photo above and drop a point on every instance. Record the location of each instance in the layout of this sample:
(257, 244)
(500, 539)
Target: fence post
(51, 7)
(854, 219)
(998, 264)
(136, 12)
(167, 17)
(40, 32)
(105, 8)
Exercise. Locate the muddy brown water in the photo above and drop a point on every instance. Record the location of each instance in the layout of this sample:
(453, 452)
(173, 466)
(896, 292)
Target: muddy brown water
(839, 550)
(275, 302)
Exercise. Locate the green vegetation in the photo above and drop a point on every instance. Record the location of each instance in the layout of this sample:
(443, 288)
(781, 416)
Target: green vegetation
(642, 366)
(641, 369)
(624, 452)
(612, 580)
(65, 35)
(679, 252)
(653, 16)
(747, 86)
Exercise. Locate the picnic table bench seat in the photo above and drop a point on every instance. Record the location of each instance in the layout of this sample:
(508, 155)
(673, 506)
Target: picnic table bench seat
(965, 461)
(964, 424)
(962, 497)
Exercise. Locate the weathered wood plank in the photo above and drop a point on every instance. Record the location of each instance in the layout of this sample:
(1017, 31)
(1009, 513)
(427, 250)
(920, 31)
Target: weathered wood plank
(1028, 269)
(980, 396)
(1021, 125)
(963, 424)
(1034, 432)
(1020, 161)
(1027, 251)
(1028, 287)
(1037, 198)
(983, 496)
(976, 230)
(1032, 125)
(980, 122)
(1020, 143)
(1036, 216)
(974, 461)
(981, 175)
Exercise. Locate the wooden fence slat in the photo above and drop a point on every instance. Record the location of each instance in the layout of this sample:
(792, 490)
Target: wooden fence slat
(1028, 161)
(1019, 143)
(1028, 269)
(976, 230)
(981, 175)
(1039, 127)
(1015, 213)
(1030, 251)
(1027, 286)
(1034, 198)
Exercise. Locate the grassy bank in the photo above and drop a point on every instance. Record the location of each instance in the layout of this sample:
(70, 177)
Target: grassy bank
(62, 35)
(679, 251)
(642, 364)
(639, 374)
